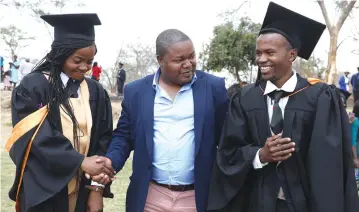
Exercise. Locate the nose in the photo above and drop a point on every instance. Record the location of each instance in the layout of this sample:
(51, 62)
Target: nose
(84, 68)
(187, 64)
(260, 59)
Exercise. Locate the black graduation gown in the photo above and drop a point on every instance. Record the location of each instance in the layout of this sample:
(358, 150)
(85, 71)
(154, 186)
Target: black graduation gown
(318, 177)
(52, 160)
(121, 78)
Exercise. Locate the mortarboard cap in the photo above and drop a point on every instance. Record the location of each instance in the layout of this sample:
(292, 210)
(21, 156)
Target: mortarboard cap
(70, 30)
(301, 32)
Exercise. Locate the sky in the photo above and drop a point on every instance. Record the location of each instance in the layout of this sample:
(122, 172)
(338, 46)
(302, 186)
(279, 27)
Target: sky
(140, 21)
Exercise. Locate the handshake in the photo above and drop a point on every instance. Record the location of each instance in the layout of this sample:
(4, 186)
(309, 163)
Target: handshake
(99, 169)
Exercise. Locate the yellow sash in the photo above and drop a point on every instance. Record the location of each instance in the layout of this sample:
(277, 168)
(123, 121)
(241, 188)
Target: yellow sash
(313, 81)
(26, 124)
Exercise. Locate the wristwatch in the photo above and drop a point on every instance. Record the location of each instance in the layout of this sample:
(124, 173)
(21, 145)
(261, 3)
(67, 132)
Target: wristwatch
(94, 188)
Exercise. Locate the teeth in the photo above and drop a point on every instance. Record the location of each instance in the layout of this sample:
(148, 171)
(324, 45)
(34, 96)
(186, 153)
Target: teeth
(266, 68)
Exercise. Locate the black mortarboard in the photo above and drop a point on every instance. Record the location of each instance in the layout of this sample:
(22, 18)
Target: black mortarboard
(72, 29)
(302, 33)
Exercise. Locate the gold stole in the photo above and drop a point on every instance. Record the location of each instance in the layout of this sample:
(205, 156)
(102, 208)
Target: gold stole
(82, 112)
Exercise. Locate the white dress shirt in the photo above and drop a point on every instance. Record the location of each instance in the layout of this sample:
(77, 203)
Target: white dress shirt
(288, 86)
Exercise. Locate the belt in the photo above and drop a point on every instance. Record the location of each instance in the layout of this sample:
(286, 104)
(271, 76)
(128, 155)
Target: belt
(176, 187)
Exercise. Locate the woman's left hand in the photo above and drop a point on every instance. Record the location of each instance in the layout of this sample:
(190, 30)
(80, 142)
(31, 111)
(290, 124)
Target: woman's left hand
(95, 202)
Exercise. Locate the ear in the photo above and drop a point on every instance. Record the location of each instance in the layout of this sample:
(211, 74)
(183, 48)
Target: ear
(293, 55)
(160, 60)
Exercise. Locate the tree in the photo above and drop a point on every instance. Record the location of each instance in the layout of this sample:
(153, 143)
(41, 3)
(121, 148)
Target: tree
(314, 67)
(144, 57)
(37, 8)
(345, 8)
(14, 38)
(232, 48)
(355, 30)
(111, 73)
(139, 60)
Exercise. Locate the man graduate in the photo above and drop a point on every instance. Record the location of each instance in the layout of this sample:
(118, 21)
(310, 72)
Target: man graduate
(285, 145)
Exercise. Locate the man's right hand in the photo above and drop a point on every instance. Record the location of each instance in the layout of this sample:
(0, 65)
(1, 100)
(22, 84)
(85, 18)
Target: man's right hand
(96, 165)
(276, 149)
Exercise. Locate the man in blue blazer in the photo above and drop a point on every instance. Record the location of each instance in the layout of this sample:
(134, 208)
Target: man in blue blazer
(172, 121)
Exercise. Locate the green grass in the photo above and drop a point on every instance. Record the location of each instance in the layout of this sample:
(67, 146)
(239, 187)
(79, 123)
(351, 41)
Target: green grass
(119, 187)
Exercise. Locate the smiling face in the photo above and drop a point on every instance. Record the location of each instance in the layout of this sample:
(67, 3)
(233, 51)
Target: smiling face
(79, 62)
(274, 56)
(178, 63)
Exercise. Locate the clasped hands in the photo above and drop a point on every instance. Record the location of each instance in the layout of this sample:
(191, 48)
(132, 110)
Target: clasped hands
(99, 169)
(276, 149)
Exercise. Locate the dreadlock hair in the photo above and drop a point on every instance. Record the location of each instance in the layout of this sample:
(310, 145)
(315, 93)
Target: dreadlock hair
(259, 77)
(53, 64)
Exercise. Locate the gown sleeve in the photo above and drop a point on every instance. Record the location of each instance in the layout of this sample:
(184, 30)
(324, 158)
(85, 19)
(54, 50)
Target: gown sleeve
(329, 162)
(105, 127)
(235, 156)
(52, 161)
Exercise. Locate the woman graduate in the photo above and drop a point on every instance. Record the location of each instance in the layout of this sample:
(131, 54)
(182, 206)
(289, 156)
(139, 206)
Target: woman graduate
(64, 121)
(285, 144)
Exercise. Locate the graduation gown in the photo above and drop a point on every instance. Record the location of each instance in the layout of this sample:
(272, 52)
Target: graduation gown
(53, 161)
(318, 177)
(121, 78)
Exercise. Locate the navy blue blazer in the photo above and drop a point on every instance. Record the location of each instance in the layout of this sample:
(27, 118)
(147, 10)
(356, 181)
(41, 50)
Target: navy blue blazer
(134, 131)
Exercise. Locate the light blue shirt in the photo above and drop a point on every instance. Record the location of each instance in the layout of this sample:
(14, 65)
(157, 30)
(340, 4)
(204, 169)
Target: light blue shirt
(174, 139)
(14, 72)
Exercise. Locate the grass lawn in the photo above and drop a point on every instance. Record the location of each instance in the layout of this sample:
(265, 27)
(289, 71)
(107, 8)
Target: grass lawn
(119, 187)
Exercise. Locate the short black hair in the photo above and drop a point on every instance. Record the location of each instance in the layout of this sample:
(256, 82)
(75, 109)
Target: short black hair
(168, 38)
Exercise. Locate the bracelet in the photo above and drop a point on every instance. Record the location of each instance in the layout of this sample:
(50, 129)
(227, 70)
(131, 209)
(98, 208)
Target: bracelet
(94, 188)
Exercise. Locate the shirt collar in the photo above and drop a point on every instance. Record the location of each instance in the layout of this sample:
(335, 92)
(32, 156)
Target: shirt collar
(157, 75)
(289, 85)
(64, 79)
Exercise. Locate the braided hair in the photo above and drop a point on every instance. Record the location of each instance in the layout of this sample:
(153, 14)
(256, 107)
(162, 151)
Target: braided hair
(52, 64)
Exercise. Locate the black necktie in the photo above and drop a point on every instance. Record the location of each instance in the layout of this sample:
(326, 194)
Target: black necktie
(276, 123)
(72, 87)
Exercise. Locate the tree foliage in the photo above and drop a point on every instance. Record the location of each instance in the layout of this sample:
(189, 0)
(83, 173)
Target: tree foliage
(232, 48)
(314, 67)
(14, 38)
(139, 60)
(37, 8)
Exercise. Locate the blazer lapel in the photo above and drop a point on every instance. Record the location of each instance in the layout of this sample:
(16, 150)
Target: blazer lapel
(199, 100)
(148, 97)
